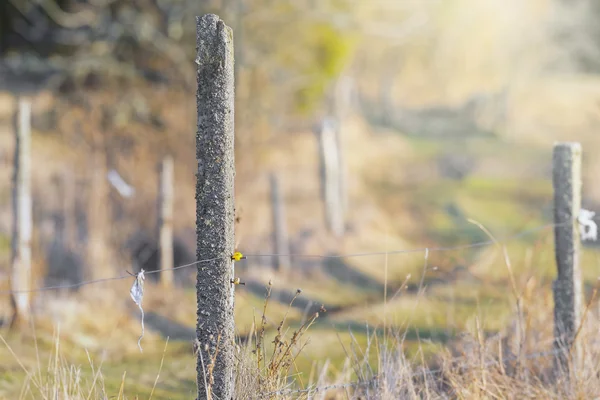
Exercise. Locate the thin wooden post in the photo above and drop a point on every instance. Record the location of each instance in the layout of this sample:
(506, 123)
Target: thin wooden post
(343, 106)
(166, 222)
(22, 217)
(215, 211)
(98, 212)
(568, 285)
(69, 210)
(329, 153)
(280, 234)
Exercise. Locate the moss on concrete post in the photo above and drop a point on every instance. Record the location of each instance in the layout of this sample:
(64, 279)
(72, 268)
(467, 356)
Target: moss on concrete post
(215, 207)
(567, 288)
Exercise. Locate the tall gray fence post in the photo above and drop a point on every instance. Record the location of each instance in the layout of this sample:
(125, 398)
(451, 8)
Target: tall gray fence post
(280, 234)
(567, 288)
(22, 216)
(215, 207)
(165, 223)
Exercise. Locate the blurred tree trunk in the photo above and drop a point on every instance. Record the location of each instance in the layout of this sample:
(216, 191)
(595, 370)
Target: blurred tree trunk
(22, 220)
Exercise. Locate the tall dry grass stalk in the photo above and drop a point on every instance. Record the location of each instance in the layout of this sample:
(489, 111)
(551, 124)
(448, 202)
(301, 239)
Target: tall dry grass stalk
(59, 379)
(264, 369)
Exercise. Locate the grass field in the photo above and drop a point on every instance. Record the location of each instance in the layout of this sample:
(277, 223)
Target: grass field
(86, 345)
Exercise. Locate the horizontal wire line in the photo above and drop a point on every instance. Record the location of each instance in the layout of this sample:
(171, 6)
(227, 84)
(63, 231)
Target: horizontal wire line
(115, 278)
(417, 250)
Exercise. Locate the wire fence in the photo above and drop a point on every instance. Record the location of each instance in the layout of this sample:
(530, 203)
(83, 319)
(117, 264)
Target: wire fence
(91, 282)
(479, 244)
(376, 379)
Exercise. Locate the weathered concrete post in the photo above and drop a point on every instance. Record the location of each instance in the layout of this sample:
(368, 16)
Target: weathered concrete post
(215, 207)
(568, 285)
(280, 234)
(165, 223)
(22, 216)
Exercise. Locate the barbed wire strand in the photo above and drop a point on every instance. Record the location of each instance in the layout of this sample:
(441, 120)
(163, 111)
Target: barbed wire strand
(323, 256)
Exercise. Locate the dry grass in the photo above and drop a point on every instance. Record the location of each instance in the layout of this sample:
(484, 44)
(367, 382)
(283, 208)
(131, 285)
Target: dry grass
(510, 364)
(59, 378)
(517, 362)
(272, 363)
(57, 357)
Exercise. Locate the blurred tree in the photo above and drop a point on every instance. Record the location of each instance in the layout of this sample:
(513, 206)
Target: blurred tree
(287, 52)
(110, 58)
(576, 32)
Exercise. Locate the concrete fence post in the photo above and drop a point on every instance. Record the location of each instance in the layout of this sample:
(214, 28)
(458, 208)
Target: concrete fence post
(567, 288)
(215, 211)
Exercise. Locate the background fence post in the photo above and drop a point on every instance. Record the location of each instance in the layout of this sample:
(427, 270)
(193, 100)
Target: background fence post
(330, 176)
(342, 111)
(69, 212)
(165, 223)
(22, 218)
(280, 234)
(215, 207)
(567, 288)
(98, 211)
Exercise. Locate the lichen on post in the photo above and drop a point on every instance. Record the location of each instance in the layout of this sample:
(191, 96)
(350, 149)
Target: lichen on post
(215, 207)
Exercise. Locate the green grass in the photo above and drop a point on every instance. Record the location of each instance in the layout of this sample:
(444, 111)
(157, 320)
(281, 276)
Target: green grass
(60, 367)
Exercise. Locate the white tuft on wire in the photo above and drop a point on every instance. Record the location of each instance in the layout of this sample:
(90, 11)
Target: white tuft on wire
(137, 294)
(119, 183)
(588, 227)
